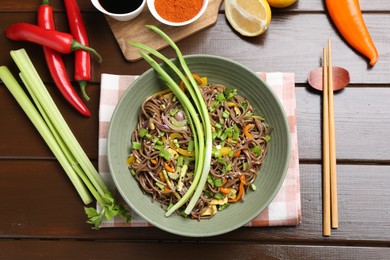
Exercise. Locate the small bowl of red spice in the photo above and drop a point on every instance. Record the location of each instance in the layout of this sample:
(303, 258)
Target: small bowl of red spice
(177, 12)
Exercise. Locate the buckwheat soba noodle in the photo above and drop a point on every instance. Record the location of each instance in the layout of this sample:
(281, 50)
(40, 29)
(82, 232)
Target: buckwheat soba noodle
(162, 155)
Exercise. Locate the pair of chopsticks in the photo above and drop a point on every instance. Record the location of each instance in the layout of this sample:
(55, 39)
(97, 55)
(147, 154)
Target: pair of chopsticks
(330, 205)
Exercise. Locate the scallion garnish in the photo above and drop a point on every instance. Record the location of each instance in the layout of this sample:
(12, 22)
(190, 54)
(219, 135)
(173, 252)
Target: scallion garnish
(165, 154)
(201, 130)
(143, 132)
(136, 145)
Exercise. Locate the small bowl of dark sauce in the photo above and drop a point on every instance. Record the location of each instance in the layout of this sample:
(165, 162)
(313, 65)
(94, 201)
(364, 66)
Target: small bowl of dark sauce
(121, 10)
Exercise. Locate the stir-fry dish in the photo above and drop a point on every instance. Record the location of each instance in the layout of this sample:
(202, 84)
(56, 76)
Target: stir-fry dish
(162, 158)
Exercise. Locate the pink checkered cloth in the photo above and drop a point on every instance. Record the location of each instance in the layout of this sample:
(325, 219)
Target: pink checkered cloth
(284, 210)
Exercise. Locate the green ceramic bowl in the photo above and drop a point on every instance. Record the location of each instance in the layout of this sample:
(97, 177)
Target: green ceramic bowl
(272, 173)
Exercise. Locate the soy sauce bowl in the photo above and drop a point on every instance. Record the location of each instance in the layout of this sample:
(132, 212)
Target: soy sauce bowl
(119, 5)
(158, 17)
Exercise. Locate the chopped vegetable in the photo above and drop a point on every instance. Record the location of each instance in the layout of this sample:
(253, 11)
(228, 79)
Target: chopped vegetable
(130, 160)
(225, 150)
(229, 93)
(136, 145)
(218, 196)
(143, 132)
(171, 143)
(247, 128)
(241, 191)
(168, 167)
(256, 150)
(165, 154)
(225, 190)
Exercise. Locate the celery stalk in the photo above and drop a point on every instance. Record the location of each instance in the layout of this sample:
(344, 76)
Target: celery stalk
(32, 113)
(31, 75)
(68, 154)
(66, 148)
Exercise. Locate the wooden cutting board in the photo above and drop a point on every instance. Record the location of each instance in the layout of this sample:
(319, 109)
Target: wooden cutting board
(136, 31)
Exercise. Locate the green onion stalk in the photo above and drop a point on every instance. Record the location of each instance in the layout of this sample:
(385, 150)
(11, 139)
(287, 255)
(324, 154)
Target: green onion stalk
(195, 124)
(203, 157)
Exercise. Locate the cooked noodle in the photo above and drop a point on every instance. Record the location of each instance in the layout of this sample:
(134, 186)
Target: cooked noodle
(163, 149)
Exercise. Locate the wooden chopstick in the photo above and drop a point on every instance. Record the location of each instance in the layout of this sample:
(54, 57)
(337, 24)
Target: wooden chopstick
(332, 145)
(326, 226)
(330, 201)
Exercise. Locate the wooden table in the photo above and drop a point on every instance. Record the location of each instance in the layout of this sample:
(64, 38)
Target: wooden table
(42, 216)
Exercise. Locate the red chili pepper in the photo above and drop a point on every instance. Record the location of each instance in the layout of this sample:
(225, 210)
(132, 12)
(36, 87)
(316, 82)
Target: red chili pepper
(82, 71)
(55, 63)
(56, 40)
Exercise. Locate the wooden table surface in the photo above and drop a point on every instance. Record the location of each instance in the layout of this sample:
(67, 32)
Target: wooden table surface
(41, 215)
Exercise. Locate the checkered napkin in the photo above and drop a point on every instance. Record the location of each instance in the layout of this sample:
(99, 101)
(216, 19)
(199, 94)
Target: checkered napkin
(284, 210)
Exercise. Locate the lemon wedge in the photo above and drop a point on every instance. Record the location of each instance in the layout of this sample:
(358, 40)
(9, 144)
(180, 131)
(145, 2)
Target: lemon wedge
(248, 17)
(281, 3)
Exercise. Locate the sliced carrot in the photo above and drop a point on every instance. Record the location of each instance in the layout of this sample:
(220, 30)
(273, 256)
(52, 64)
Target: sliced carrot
(242, 178)
(161, 175)
(225, 190)
(241, 190)
(169, 168)
(197, 78)
(247, 128)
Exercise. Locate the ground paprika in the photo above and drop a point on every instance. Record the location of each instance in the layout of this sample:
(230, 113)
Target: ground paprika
(178, 10)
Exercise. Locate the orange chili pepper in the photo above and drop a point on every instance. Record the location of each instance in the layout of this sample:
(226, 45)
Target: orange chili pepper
(246, 130)
(348, 18)
(154, 161)
(237, 153)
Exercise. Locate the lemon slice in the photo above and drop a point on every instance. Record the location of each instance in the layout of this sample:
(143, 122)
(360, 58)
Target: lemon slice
(280, 3)
(248, 17)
